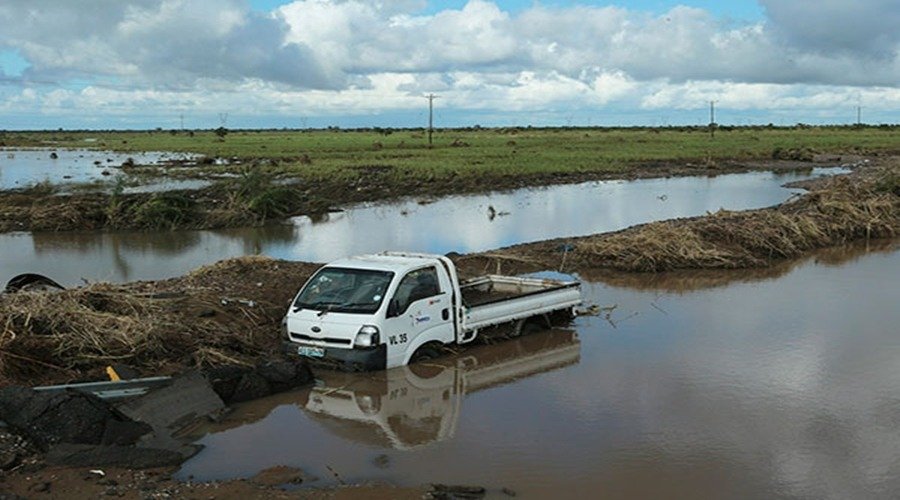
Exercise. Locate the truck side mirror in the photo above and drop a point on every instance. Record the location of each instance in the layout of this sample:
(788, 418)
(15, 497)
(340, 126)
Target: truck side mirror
(393, 309)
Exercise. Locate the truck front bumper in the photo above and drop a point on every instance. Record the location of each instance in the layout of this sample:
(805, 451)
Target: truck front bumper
(353, 360)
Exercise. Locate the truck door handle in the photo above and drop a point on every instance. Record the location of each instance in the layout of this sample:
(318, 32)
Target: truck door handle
(445, 314)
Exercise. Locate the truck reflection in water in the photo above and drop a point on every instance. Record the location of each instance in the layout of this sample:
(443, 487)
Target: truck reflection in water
(411, 406)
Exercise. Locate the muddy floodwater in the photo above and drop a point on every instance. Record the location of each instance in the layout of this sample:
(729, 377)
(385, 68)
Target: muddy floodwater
(784, 386)
(460, 223)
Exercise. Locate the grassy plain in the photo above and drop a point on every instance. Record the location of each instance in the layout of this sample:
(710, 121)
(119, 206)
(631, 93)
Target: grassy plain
(494, 152)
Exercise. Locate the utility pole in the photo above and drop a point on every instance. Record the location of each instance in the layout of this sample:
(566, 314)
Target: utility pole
(431, 98)
(712, 119)
(859, 116)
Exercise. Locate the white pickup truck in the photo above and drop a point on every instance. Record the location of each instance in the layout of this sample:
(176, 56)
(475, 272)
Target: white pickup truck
(381, 311)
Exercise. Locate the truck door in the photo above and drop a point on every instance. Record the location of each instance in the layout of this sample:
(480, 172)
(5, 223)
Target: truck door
(419, 312)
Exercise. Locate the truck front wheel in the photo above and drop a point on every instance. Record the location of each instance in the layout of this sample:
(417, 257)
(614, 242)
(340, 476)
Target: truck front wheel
(425, 353)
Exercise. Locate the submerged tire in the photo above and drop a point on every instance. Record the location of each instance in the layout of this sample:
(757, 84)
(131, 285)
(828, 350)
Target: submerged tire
(527, 327)
(425, 353)
(532, 327)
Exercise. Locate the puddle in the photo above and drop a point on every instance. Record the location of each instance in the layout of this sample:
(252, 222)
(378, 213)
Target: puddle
(783, 387)
(460, 223)
(20, 168)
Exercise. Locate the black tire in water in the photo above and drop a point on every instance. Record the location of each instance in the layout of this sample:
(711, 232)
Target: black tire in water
(532, 327)
(425, 353)
(526, 328)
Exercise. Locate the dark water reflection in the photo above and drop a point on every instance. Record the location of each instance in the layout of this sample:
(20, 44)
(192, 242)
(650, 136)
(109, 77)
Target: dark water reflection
(462, 224)
(129, 255)
(777, 387)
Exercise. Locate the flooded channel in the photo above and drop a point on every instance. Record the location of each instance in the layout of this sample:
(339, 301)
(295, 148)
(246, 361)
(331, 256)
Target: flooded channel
(21, 168)
(460, 223)
(781, 386)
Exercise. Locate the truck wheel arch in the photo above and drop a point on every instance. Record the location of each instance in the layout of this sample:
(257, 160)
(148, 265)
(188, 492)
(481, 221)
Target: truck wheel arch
(426, 351)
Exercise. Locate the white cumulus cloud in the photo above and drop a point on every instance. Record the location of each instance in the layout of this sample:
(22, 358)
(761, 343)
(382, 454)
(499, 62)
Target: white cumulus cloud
(353, 56)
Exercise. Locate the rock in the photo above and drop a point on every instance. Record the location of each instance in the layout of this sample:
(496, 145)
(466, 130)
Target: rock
(285, 375)
(281, 474)
(129, 457)
(224, 380)
(251, 386)
(40, 487)
(449, 492)
(8, 460)
(66, 417)
(235, 384)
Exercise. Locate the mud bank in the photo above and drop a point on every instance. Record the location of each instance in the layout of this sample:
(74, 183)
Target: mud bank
(66, 483)
(256, 198)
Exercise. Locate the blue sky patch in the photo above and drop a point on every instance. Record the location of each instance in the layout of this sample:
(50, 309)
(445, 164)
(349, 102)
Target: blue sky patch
(12, 63)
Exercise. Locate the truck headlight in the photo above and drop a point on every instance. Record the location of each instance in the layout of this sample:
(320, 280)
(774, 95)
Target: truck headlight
(367, 336)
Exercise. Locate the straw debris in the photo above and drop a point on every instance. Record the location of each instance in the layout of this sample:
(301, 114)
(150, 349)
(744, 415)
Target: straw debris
(839, 210)
(74, 328)
(226, 313)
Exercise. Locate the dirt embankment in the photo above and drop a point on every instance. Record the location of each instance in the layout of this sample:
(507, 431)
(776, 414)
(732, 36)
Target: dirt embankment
(67, 483)
(256, 198)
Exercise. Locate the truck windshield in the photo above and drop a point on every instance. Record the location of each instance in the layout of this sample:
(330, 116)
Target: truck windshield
(346, 290)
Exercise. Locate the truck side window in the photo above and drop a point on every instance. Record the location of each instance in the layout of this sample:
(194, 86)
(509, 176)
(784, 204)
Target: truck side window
(417, 285)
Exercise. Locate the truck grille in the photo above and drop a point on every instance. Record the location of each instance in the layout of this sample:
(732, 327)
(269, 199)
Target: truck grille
(327, 340)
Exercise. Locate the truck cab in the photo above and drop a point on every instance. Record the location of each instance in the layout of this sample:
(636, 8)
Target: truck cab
(373, 312)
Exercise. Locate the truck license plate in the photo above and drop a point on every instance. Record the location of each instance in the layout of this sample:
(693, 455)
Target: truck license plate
(312, 352)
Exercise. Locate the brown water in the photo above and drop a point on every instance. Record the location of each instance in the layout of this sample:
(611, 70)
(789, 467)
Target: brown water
(459, 223)
(764, 385)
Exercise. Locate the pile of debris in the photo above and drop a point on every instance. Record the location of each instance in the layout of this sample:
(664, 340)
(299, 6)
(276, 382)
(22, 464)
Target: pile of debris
(227, 313)
(129, 423)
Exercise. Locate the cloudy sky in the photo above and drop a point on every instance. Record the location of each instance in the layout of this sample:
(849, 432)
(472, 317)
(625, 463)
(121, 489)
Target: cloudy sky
(316, 63)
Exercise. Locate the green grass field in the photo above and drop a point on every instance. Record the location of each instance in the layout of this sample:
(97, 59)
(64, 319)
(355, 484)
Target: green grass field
(491, 152)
